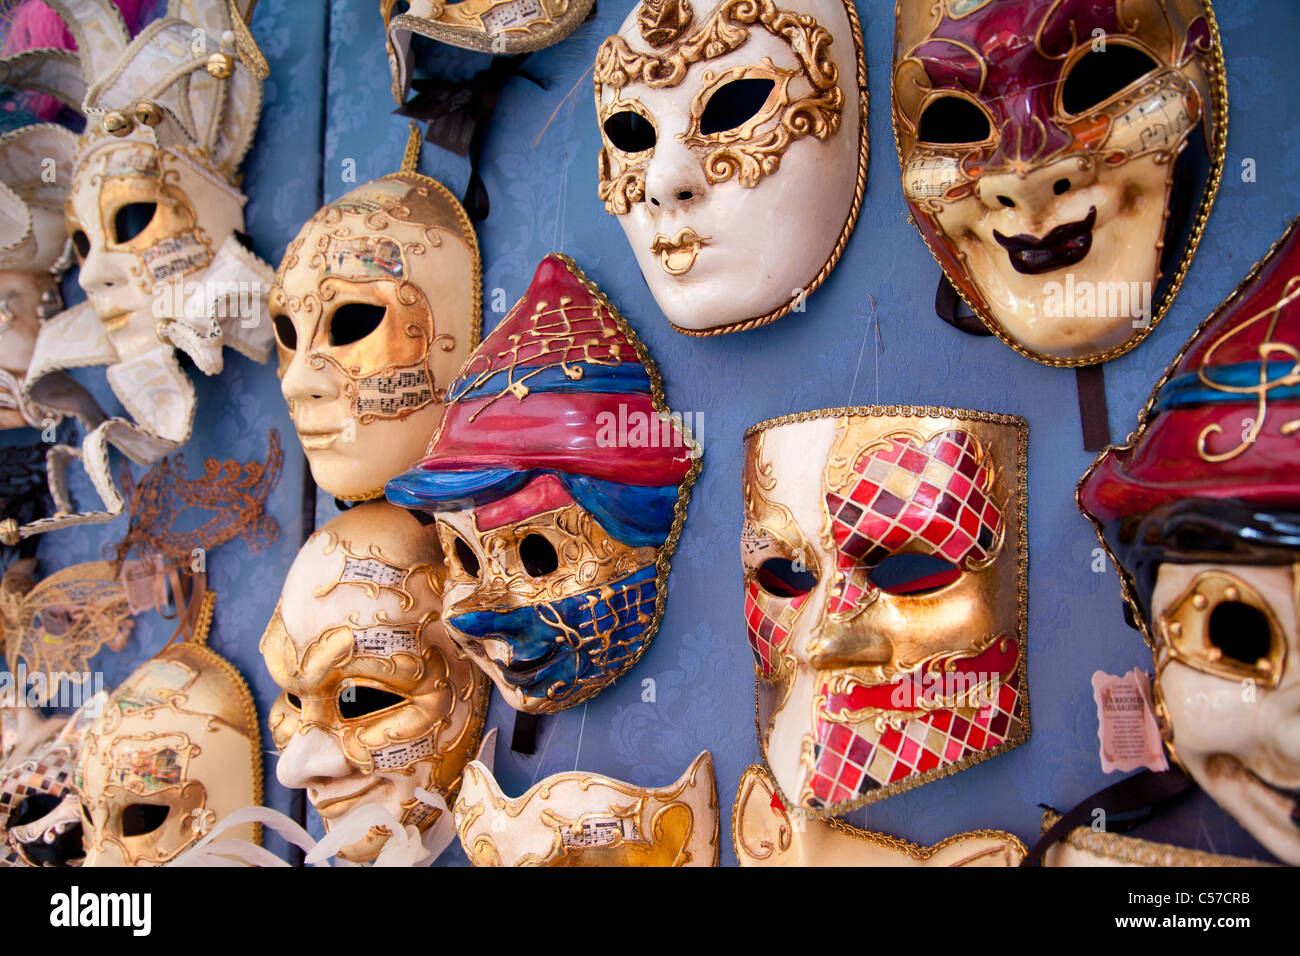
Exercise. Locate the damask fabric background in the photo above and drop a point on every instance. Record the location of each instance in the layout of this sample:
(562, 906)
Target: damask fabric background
(869, 335)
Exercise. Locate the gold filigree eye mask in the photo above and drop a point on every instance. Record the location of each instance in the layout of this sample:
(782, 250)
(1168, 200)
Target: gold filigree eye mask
(52, 628)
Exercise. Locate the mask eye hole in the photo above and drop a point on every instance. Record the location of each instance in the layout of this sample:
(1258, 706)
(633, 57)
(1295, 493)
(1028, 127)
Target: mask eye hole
(1240, 632)
(285, 333)
(953, 120)
(133, 219)
(1100, 74)
(914, 574)
(734, 103)
(630, 132)
(360, 700)
(353, 321)
(538, 556)
(141, 818)
(294, 701)
(785, 578)
(465, 557)
(85, 812)
(33, 807)
(81, 242)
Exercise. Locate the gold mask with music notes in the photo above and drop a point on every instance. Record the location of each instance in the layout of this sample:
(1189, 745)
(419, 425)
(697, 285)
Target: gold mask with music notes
(376, 305)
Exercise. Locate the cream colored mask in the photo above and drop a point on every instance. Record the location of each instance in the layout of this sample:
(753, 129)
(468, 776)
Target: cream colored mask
(176, 750)
(35, 170)
(155, 214)
(378, 703)
(1084, 846)
(734, 151)
(585, 819)
(884, 562)
(765, 833)
(375, 307)
(1200, 512)
(488, 26)
(1060, 158)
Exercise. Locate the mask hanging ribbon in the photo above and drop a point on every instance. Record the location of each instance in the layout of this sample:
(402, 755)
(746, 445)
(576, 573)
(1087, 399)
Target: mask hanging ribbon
(457, 114)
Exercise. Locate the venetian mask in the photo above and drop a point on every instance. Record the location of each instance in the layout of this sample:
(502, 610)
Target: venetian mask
(559, 482)
(1084, 846)
(1200, 511)
(376, 702)
(1060, 158)
(734, 152)
(35, 169)
(175, 750)
(488, 26)
(884, 561)
(154, 212)
(40, 810)
(585, 819)
(376, 305)
(765, 833)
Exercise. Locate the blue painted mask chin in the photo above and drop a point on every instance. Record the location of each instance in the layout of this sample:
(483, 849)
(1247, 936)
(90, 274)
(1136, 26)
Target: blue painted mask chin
(562, 652)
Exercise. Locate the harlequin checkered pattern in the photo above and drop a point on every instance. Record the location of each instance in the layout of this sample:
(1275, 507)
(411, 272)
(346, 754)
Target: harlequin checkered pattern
(51, 774)
(904, 490)
(848, 764)
(767, 623)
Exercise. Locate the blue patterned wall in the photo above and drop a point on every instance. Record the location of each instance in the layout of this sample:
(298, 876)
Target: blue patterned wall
(328, 101)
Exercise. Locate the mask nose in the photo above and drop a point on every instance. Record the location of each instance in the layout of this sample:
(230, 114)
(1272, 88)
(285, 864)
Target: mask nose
(103, 273)
(1036, 194)
(674, 179)
(314, 755)
(847, 635)
(302, 382)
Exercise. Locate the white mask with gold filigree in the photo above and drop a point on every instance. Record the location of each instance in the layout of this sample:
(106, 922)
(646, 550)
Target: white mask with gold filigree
(734, 152)
(585, 819)
(154, 213)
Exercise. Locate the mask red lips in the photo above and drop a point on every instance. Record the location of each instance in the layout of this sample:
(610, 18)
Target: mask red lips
(850, 759)
(1064, 246)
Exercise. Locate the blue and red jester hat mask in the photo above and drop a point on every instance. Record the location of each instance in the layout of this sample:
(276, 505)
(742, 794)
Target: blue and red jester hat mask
(559, 482)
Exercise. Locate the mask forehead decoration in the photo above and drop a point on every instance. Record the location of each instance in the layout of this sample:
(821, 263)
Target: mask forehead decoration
(884, 554)
(585, 819)
(155, 216)
(1060, 158)
(489, 26)
(719, 123)
(35, 170)
(1200, 512)
(376, 305)
(559, 480)
(765, 833)
(175, 750)
(40, 810)
(377, 703)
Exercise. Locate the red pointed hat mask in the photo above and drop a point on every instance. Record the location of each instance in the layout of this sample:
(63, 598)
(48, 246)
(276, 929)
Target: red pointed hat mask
(559, 480)
(1200, 511)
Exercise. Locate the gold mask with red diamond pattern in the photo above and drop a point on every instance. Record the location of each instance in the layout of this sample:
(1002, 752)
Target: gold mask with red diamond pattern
(885, 599)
